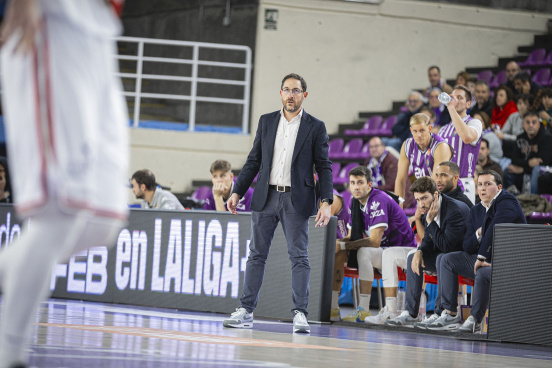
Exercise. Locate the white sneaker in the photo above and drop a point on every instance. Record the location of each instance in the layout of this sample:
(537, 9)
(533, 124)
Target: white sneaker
(403, 319)
(427, 321)
(446, 322)
(470, 326)
(300, 323)
(239, 319)
(379, 319)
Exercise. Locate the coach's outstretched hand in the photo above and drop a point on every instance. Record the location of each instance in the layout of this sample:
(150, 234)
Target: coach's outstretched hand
(323, 215)
(232, 203)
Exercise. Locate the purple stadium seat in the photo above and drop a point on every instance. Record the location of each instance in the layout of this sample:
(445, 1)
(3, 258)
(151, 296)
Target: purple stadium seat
(364, 153)
(548, 197)
(540, 216)
(351, 149)
(336, 168)
(385, 130)
(536, 57)
(335, 147)
(498, 79)
(486, 75)
(548, 60)
(201, 193)
(343, 176)
(347, 196)
(371, 124)
(541, 76)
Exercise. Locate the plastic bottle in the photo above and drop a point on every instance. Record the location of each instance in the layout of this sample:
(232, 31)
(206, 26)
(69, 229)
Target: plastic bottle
(423, 302)
(401, 300)
(444, 98)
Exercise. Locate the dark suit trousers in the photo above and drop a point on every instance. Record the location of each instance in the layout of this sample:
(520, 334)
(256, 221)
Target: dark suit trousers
(278, 208)
(415, 282)
(462, 263)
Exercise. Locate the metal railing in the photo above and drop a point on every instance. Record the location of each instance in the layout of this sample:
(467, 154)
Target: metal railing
(195, 62)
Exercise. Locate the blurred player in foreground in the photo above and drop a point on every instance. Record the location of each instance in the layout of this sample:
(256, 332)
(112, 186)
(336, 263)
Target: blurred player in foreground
(67, 144)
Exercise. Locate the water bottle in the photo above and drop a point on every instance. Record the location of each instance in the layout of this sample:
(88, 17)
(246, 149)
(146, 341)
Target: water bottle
(401, 300)
(423, 302)
(444, 98)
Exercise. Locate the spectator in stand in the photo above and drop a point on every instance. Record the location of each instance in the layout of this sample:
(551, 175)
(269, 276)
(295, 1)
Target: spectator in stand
(389, 240)
(436, 106)
(545, 183)
(463, 134)
(474, 261)
(490, 136)
(382, 164)
(5, 188)
(435, 81)
(151, 194)
(514, 125)
(223, 184)
(482, 98)
(485, 161)
(546, 112)
(463, 78)
(446, 178)
(504, 106)
(524, 84)
(422, 152)
(401, 130)
(471, 87)
(441, 223)
(532, 150)
(512, 69)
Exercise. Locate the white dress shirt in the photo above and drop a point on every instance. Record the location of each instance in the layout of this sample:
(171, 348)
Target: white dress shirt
(286, 135)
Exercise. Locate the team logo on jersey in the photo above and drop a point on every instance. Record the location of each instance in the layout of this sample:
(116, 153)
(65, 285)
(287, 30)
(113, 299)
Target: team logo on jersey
(375, 211)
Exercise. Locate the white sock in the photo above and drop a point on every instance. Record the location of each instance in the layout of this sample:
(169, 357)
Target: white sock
(335, 299)
(364, 301)
(391, 304)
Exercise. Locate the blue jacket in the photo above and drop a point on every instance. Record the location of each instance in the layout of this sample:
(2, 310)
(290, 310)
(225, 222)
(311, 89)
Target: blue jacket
(311, 150)
(505, 209)
(447, 237)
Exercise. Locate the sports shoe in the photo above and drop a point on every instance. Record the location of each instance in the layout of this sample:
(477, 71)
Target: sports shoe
(335, 315)
(403, 319)
(446, 322)
(427, 321)
(239, 319)
(300, 323)
(379, 319)
(357, 315)
(470, 326)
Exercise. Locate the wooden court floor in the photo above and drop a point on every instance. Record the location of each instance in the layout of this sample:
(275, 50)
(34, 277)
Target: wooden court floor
(86, 334)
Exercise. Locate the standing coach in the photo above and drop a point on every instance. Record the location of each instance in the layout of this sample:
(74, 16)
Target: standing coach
(288, 144)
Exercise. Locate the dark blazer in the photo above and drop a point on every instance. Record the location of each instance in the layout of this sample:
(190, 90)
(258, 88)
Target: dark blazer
(505, 209)
(311, 150)
(449, 236)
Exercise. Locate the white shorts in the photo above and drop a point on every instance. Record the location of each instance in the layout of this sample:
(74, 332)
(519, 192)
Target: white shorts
(66, 122)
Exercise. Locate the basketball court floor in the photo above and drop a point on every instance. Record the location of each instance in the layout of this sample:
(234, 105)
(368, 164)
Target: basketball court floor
(86, 334)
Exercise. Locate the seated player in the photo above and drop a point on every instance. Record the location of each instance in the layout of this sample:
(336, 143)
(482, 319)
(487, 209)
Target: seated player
(389, 240)
(152, 195)
(223, 183)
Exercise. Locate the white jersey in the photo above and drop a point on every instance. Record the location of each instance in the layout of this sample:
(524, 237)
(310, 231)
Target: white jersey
(73, 135)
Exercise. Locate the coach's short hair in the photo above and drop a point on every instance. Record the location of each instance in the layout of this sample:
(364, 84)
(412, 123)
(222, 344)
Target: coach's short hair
(454, 169)
(145, 177)
(295, 76)
(220, 165)
(419, 118)
(498, 179)
(424, 185)
(361, 171)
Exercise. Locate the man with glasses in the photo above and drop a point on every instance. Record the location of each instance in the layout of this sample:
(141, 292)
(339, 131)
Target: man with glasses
(401, 130)
(288, 144)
